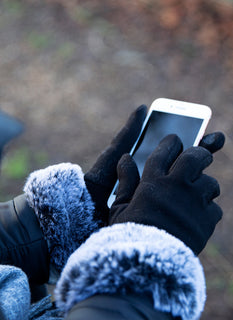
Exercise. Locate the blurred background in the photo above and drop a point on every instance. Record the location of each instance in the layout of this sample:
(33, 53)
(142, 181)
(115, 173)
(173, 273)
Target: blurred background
(73, 70)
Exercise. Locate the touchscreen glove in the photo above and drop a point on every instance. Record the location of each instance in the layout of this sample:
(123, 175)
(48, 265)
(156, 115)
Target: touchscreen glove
(173, 193)
(101, 178)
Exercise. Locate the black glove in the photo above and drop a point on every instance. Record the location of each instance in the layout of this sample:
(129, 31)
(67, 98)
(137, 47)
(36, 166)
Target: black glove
(173, 193)
(213, 141)
(101, 178)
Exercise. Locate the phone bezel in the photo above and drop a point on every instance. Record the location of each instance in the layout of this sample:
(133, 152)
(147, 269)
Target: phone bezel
(171, 106)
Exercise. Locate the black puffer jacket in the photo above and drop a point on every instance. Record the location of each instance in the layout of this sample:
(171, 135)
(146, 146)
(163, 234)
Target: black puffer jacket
(117, 307)
(22, 242)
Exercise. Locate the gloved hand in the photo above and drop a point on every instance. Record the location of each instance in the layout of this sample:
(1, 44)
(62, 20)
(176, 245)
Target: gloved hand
(173, 193)
(101, 178)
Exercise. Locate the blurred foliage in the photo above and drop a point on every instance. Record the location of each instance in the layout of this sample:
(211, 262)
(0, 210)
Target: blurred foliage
(212, 250)
(219, 276)
(216, 282)
(16, 164)
(81, 15)
(208, 24)
(66, 50)
(230, 287)
(39, 40)
(40, 159)
(13, 7)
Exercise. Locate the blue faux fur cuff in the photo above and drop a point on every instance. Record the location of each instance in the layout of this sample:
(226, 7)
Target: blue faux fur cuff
(135, 258)
(61, 201)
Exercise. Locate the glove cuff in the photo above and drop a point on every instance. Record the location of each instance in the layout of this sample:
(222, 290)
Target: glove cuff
(129, 257)
(64, 207)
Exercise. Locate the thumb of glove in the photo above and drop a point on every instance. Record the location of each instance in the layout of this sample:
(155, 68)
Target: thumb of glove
(213, 141)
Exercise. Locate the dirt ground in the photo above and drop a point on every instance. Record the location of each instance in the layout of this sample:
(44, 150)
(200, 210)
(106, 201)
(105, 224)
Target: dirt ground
(73, 71)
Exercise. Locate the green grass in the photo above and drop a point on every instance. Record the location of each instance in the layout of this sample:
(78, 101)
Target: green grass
(13, 7)
(39, 40)
(66, 50)
(81, 15)
(16, 164)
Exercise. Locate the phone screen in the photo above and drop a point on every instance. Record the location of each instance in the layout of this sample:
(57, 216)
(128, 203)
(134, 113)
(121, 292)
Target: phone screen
(161, 124)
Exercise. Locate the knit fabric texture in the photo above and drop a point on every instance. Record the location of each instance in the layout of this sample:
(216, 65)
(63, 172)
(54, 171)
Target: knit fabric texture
(14, 294)
(135, 258)
(44, 310)
(64, 207)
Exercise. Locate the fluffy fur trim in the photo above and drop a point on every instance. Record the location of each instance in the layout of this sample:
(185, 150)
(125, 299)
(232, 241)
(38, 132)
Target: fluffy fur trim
(135, 258)
(61, 201)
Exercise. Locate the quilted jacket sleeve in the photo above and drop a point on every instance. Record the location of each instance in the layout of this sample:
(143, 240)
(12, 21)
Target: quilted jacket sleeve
(117, 307)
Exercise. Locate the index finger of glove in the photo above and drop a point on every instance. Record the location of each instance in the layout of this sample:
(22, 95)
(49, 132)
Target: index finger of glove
(129, 178)
(190, 164)
(213, 141)
(104, 170)
(161, 159)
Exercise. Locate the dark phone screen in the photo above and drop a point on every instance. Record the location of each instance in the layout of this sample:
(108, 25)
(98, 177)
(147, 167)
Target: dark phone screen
(160, 125)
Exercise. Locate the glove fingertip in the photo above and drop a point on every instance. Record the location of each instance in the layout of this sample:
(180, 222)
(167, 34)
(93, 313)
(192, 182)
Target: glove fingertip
(127, 166)
(213, 141)
(142, 109)
(128, 179)
(137, 117)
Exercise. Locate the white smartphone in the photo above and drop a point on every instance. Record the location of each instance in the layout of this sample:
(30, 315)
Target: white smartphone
(166, 116)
